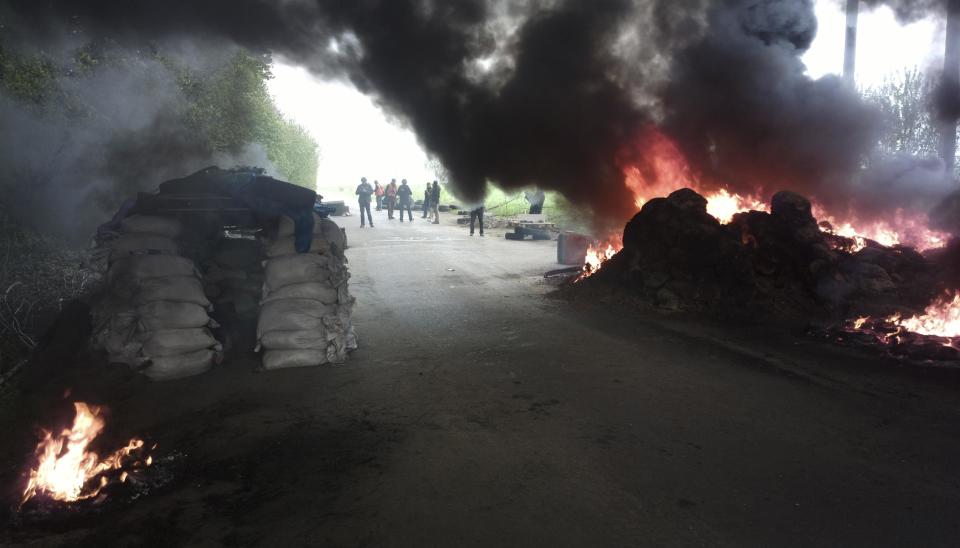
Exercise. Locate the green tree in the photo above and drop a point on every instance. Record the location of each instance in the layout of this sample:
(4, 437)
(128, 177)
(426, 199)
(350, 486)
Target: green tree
(232, 108)
(905, 101)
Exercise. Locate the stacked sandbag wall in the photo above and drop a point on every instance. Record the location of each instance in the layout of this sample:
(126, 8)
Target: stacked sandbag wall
(306, 306)
(153, 313)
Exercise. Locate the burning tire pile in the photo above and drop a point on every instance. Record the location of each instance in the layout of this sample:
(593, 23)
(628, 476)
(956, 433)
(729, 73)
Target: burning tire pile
(784, 266)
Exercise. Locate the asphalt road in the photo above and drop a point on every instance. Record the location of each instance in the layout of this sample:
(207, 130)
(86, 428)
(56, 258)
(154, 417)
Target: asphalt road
(480, 411)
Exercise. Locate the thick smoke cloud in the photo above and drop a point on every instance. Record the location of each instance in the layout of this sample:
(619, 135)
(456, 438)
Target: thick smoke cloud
(742, 109)
(554, 92)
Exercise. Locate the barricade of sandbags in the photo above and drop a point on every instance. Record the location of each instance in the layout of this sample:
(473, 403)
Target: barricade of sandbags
(154, 314)
(306, 305)
(234, 275)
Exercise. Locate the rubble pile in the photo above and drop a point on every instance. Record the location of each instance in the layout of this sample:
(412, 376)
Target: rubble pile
(306, 306)
(154, 314)
(780, 263)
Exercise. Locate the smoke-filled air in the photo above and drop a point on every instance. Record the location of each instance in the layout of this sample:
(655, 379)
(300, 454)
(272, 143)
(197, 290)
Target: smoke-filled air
(567, 95)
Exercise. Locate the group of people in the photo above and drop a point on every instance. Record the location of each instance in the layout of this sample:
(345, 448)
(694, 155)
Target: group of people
(396, 197)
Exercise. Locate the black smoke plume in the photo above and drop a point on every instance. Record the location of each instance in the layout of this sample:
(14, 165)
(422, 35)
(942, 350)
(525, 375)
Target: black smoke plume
(552, 93)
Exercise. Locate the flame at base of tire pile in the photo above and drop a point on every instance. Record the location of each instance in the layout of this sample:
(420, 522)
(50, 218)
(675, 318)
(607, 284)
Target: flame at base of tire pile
(933, 335)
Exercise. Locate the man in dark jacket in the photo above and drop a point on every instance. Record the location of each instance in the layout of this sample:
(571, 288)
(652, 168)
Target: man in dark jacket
(364, 191)
(405, 196)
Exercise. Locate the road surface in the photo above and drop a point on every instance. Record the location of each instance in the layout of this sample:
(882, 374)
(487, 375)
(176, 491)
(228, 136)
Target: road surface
(481, 411)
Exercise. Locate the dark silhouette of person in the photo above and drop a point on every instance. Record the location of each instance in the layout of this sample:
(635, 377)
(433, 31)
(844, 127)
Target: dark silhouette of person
(364, 190)
(405, 195)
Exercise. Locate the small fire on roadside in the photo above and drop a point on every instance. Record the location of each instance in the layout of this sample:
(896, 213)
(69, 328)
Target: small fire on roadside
(68, 471)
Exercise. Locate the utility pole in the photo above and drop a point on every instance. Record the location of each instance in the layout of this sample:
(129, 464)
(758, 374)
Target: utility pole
(850, 45)
(951, 85)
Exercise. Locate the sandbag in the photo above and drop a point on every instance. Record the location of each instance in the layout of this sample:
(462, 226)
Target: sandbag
(170, 342)
(340, 334)
(334, 236)
(159, 315)
(286, 246)
(152, 224)
(297, 269)
(142, 267)
(181, 289)
(281, 359)
(116, 337)
(294, 340)
(140, 242)
(292, 315)
(181, 365)
(286, 226)
(311, 290)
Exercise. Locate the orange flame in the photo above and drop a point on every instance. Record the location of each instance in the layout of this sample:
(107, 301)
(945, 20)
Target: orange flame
(66, 466)
(597, 254)
(901, 228)
(942, 318)
(665, 169)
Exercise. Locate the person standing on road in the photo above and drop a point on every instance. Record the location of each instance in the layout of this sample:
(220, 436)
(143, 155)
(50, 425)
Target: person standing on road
(476, 214)
(405, 195)
(435, 202)
(364, 190)
(426, 202)
(391, 197)
(378, 192)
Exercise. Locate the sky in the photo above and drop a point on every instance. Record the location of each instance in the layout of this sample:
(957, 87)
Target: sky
(358, 140)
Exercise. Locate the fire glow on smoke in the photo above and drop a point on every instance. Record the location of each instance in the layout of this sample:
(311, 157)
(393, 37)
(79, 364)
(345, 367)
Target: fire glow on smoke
(67, 471)
(666, 170)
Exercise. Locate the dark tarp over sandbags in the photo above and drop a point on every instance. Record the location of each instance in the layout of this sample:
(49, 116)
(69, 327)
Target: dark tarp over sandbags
(152, 224)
